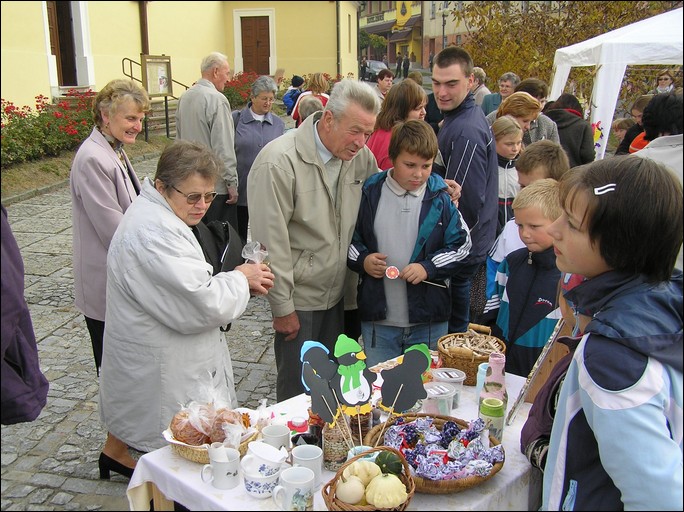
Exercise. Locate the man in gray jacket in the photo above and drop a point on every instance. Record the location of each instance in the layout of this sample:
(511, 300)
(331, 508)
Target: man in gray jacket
(303, 192)
(204, 116)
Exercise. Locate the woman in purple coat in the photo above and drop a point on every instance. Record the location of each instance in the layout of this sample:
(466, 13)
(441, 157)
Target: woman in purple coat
(103, 185)
(24, 387)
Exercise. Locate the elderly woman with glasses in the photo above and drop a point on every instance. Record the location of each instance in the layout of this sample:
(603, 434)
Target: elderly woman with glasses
(255, 126)
(163, 346)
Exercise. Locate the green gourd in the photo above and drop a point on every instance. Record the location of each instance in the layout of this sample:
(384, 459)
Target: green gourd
(389, 462)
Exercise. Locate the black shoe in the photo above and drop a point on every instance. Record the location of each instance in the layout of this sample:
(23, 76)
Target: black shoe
(108, 464)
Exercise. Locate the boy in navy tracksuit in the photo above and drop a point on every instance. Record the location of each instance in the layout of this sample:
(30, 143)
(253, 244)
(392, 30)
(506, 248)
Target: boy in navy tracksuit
(408, 240)
(524, 300)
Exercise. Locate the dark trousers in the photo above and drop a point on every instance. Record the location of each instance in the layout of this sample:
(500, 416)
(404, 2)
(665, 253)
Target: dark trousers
(219, 210)
(323, 326)
(96, 330)
(352, 323)
(461, 282)
(243, 222)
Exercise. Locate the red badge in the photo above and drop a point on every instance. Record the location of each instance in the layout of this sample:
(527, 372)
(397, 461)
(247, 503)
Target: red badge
(392, 272)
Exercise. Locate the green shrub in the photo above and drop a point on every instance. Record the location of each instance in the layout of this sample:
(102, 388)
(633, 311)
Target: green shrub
(47, 131)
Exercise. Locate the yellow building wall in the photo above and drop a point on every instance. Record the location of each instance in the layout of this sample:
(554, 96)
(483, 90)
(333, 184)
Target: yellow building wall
(24, 54)
(188, 32)
(305, 34)
(308, 37)
(349, 49)
(114, 34)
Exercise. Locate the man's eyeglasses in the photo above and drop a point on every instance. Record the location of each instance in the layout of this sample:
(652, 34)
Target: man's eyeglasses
(195, 198)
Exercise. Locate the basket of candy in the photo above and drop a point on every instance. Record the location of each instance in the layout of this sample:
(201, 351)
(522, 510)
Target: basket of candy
(445, 454)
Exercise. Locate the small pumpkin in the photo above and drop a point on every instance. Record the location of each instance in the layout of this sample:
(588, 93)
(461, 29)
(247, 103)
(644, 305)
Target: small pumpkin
(389, 462)
(386, 491)
(350, 490)
(364, 469)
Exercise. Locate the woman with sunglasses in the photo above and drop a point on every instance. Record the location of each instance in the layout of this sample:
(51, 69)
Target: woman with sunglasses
(163, 346)
(664, 83)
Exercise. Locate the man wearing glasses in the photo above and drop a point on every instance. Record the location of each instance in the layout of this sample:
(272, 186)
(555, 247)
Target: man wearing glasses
(204, 116)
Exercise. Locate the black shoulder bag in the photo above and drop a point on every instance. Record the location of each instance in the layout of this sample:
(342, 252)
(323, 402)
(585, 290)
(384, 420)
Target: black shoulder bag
(222, 247)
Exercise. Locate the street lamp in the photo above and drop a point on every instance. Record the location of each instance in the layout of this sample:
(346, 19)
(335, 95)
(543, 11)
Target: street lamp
(445, 10)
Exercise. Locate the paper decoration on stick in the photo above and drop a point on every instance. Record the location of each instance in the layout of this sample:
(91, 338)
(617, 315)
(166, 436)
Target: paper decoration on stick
(353, 382)
(402, 386)
(317, 370)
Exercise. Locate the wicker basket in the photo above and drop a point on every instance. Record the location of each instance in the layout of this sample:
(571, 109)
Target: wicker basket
(328, 491)
(463, 358)
(200, 454)
(425, 485)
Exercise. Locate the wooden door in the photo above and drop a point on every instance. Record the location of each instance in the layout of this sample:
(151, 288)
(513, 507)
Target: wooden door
(256, 44)
(60, 26)
(54, 37)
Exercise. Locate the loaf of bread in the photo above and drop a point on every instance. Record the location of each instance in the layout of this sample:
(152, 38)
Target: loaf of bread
(223, 417)
(192, 425)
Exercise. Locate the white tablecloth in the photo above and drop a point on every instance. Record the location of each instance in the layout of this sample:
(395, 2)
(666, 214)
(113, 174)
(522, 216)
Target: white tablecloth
(516, 487)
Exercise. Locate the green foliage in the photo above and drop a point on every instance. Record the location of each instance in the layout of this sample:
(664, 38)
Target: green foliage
(503, 38)
(48, 131)
(375, 41)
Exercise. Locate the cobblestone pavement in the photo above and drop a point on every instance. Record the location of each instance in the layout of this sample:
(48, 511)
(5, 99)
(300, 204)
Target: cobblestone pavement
(51, 463)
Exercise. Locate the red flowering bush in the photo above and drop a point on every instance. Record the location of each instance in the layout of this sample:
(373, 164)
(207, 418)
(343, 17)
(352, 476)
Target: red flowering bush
(238, 89)
(47, 131)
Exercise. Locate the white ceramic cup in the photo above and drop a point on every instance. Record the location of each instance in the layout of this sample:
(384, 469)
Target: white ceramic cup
(295, 490)
(309, 456)
(223, 474)
(263, 459)
(277, 435)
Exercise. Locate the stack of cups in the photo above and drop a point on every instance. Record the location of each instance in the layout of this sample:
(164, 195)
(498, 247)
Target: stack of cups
(454, 377)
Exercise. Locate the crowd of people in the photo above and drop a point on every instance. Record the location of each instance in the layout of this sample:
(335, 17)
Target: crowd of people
(486, 204)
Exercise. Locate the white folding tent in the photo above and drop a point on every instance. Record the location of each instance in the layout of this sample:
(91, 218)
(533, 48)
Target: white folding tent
(655, 40)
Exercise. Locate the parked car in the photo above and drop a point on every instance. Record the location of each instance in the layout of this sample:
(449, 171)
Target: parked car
(374, 67)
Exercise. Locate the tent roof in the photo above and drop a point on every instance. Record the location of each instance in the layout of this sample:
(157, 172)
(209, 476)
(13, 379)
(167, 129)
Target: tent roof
(656, 40)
